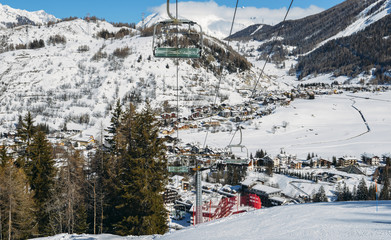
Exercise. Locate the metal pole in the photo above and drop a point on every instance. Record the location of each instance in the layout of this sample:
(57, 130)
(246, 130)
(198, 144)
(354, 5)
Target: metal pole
(198, 196)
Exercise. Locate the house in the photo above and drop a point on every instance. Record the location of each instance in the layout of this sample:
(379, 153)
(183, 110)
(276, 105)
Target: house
(212, 124)
(265, 161)
(296, 164)
(335, 178)
(170, 195)
(324, 163)
(347, 161)
(370, 159)
(84, 140)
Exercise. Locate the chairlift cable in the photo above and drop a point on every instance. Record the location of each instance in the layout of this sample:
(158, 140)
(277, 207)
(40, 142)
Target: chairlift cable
(262, 73)
(221, 75)
(271, 51)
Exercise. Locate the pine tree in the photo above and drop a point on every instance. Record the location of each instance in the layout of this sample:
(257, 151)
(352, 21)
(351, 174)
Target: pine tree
(320, 196)
(354, 193)
(346, 194)
(142, 174)
(41, 173)
(112, 130)
(362, 190)
(27, 129)
(385, 191)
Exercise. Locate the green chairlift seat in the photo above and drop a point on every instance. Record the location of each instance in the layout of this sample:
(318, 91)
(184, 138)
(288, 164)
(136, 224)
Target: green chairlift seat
(164, 49)
(167, 52)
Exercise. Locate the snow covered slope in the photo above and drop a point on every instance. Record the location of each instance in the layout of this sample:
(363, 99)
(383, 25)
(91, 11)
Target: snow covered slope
(328, 126)
(65, 82)
(363, 20)
(337, 221)
(10, 16)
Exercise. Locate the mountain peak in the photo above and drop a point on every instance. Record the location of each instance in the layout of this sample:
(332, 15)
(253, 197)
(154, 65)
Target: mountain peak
(10, 17)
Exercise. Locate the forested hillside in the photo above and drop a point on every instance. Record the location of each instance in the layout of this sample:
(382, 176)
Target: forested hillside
(353, 55)
(306, 33)
(348, 39)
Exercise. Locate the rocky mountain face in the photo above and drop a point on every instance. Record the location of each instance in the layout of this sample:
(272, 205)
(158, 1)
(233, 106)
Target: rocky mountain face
(339, 40)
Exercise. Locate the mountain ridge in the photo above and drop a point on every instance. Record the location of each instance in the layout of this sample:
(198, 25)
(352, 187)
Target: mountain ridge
(10, 17)
(307, 36)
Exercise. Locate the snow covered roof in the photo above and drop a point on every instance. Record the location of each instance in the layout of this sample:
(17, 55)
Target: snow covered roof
(248, 181)
(266, 189)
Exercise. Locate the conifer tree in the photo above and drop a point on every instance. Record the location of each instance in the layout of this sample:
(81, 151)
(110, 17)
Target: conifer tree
(41, 173)
(113, 128)
(346, 194)
(27, 129)
(142, 174)
(362, 190)
(339, 191)
(385, 191)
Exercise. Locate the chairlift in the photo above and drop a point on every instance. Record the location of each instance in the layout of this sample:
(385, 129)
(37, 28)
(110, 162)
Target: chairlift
(177, 38)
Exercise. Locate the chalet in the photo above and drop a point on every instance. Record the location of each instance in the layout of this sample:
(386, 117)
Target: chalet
(347, 161)
(324, 163)
(295, 164)
(370, 159)
(84, 140)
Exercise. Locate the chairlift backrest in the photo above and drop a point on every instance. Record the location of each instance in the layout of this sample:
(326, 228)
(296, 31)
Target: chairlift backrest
(177, 38)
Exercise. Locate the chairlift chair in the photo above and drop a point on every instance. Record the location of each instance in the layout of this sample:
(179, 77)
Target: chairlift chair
(177, 38)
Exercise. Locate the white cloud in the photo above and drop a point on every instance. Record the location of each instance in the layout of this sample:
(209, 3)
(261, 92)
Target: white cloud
(216, 20)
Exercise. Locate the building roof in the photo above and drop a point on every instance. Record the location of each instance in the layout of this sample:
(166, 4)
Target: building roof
(266, 189)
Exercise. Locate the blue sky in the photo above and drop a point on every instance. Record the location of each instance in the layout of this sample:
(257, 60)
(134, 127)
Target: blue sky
(131, 10)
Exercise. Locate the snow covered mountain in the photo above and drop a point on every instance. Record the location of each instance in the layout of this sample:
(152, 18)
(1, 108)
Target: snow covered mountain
(11, 17)
(77, 70)
(339, 40)
(340, 220)
(216, 19)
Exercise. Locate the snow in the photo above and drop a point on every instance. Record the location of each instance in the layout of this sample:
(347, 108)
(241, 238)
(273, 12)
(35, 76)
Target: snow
(337, 221)
(265, 189)
(363, 21)
(328, 126)
(10, 15)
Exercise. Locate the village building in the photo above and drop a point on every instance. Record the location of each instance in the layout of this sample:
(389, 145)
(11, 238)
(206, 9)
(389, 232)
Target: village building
(347, 161)
(370, 159)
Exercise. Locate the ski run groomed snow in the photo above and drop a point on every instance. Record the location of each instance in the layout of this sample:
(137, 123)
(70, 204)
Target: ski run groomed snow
(321, 221)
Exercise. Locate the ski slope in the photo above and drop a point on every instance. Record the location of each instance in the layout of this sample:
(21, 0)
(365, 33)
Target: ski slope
(339, 220)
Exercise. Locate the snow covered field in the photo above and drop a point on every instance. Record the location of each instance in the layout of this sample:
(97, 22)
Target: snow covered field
(328, 126)
(340, 220)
